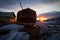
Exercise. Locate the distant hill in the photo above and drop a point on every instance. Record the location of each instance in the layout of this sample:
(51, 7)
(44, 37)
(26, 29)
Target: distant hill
(51, 14)
(55, 20)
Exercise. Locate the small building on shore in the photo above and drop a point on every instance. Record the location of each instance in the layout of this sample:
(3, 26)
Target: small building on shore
(7, 17)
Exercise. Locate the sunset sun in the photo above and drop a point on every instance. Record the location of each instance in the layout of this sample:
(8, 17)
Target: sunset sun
(41, 19)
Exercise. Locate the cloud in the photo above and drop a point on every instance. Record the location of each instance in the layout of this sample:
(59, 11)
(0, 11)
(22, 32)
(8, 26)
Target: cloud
(4, 3)
(50, 1)
(44, 1)
(34, 4)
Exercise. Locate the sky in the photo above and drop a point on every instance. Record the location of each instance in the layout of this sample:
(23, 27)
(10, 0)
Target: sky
(40, 6)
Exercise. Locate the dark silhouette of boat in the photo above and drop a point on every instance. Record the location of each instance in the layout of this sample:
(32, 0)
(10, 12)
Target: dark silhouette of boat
(27, 17)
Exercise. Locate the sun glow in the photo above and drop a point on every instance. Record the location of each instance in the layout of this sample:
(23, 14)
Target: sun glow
(42, 19)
